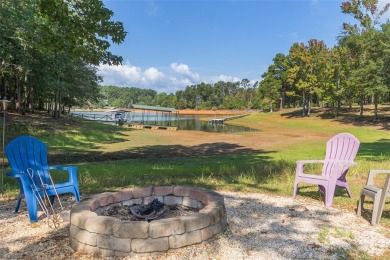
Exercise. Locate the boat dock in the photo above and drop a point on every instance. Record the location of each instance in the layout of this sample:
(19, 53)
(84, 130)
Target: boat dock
(114, 117)
(150, 117)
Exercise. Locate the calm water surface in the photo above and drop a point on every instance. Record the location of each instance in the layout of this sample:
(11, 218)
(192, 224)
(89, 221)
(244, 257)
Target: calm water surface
(182, 122)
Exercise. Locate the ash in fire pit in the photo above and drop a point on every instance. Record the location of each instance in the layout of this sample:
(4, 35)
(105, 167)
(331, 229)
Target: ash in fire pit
(153, 210)
(150, 211)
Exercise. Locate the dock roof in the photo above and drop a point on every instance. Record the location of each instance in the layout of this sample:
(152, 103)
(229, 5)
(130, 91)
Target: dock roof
(155, 108)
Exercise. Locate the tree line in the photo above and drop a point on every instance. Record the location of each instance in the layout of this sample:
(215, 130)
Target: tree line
(220, 95)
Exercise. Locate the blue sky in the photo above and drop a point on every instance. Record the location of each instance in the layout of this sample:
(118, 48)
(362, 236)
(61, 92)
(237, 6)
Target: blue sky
(172, 44)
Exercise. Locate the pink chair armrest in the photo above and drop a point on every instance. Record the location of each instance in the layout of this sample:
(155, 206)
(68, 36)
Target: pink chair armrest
(300, 163)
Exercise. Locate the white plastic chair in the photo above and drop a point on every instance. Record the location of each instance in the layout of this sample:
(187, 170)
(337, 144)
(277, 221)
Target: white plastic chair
(379, 195)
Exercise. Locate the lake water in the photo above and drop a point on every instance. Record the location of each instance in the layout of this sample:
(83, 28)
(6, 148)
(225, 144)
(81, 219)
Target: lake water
(182, 122)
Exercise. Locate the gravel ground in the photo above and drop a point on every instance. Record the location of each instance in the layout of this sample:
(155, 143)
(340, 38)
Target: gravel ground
(260, 227)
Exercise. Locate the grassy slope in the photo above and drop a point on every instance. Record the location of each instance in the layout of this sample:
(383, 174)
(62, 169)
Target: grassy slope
(112, 158)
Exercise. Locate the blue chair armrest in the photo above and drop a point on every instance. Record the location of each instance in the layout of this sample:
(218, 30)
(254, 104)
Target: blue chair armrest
(63, 168)
(72, 171)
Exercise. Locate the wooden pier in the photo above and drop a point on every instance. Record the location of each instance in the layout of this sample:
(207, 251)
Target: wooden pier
(217, 121)
(152, 127)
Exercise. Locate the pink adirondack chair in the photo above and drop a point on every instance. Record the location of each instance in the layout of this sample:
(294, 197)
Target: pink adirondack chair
(340, 153)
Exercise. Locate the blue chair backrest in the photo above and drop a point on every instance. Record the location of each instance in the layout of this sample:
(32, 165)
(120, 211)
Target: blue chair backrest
(27, 152)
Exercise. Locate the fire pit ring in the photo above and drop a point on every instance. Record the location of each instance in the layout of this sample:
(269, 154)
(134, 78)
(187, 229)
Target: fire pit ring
(108, 236)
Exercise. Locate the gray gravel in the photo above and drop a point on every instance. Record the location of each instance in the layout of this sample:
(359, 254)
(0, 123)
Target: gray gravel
(260, 227)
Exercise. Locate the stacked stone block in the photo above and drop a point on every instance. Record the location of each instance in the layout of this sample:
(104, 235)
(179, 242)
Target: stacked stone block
(109, 236)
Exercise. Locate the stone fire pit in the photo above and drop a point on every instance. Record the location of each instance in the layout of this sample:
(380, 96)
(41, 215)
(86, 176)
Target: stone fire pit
(108, 236)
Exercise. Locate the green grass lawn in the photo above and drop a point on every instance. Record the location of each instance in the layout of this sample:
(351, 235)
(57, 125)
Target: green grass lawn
(113, 158)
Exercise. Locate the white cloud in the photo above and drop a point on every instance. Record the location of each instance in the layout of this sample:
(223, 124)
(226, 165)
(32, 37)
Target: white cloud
(153, 75)
(184, 70)
(120, 75)
(128, 75)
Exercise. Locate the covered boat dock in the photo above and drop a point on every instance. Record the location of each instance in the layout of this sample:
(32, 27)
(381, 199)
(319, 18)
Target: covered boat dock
(155, 117)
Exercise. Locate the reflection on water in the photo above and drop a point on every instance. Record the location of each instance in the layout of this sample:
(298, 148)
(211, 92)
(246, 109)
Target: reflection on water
(191, 122)
(199, 125)
(182, 122)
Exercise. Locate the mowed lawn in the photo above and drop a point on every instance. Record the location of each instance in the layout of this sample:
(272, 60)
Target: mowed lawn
(263, 160)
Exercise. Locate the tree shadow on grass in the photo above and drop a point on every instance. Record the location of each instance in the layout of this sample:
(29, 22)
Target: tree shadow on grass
(314, 112)
(293, 114)
(159, 151)
(346, 116)
(376, 150)
(382, 121)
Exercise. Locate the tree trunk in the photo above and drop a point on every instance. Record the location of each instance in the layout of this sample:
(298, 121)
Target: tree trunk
(18, 93)
(282, 98)
(31, 97)
(338, 101)
(361, 105)
(309, 105)
(49, 106)
(3, 87)
(55, 111)
(59, 103)
(281, 103)
(375, 106)
(338, 108)
(304, 105)
(25, 98)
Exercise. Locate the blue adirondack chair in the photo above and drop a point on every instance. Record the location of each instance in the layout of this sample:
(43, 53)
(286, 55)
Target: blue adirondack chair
(27, 153)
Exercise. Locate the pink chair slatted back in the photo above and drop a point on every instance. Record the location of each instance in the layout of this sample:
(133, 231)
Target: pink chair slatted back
(342, 147)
